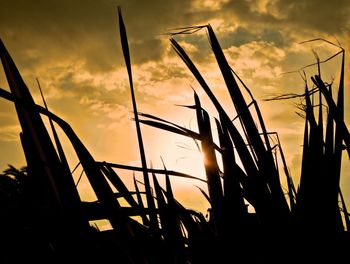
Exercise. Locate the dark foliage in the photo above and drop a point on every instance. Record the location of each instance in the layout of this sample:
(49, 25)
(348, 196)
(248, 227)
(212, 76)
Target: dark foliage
(43, 220)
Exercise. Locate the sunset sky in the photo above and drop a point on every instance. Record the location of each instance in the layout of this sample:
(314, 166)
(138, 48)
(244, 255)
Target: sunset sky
(73, 48)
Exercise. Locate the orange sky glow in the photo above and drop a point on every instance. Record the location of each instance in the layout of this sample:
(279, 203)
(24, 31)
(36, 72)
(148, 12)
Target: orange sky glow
(73, 48)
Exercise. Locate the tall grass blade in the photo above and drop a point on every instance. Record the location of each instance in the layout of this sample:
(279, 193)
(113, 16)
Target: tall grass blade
(176, 238)
(59, 147)
(243, 152)
(329, 141)
(206, 196)
(291, 188)
(337, 112)
(151, 170)
(259, 183)
(97, 180)
(310, 185)
(304, 163)
(233, 196)
(144, 218)
(113, 177)
(258, 112)
(265, 157)
(126, 53)
(70, 187)
(345, 211)
(177, 130)
(47, 177)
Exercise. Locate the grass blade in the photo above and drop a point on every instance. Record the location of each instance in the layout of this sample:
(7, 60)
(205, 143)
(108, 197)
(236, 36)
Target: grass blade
(151, 170)
(119, 185)
(336, 111)
(126, 53)
(233, 196)
(144, 218)
(210, 164)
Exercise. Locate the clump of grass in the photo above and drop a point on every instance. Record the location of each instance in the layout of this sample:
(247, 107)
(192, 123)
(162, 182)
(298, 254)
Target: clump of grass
(168, 232)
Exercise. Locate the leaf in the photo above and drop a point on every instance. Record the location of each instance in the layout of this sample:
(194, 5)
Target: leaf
(126, 54)
(157, 171)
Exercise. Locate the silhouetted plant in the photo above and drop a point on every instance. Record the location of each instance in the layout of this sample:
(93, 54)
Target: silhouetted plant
(42, 200)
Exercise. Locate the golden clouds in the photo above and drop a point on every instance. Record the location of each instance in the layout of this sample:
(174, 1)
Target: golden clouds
(73, 48)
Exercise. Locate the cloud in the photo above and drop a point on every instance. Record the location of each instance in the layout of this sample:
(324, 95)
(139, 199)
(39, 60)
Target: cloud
(241, 35)
(248, 12)
(322, 16)
(257, 62)
(87, 31)
(73, 47)
(9, 125)
(9, 133)
(112, 112)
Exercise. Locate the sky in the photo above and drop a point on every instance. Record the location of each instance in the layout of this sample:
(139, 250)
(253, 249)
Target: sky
(73, 48)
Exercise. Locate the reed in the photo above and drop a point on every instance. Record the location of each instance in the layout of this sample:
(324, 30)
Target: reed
(43, 199)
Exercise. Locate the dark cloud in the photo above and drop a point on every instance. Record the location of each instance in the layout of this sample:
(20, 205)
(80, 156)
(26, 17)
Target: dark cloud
(323, 16)
(154, 53)
(87, 29)
(242, 35)
(164, 72)
(68, 86)
(242, 11)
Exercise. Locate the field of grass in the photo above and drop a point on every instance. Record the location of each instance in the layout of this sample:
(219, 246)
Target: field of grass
(43, 220)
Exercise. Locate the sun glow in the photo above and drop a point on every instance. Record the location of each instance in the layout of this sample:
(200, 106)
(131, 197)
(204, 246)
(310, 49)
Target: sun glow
(183, 155)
